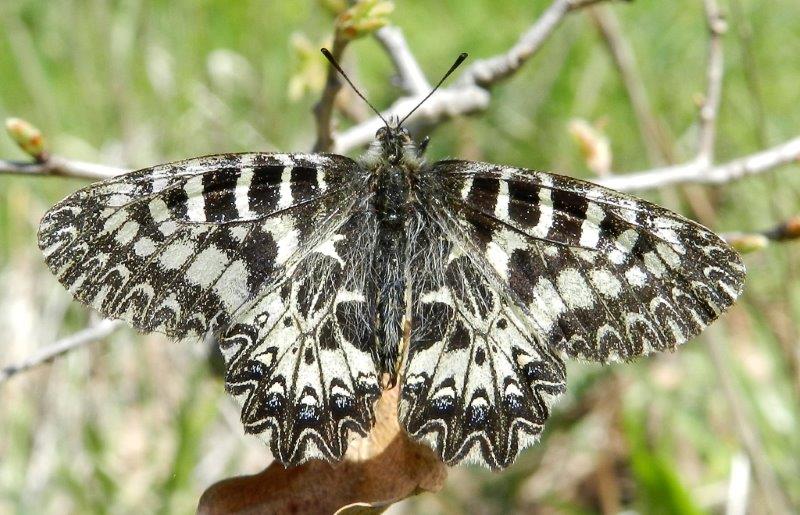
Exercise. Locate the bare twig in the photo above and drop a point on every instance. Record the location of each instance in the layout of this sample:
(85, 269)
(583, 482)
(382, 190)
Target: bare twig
(622, 54)
(787, 152)
(695, 172)
(412, 78)
(787, 230)
(487, 72)
(451, 101)
(323, 110)
(469, 94)
(55, 165)
(443, 105)
(79, 339)
(709, 109)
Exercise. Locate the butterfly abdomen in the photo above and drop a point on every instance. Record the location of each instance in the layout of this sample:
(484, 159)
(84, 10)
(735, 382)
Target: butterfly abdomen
(390, 204)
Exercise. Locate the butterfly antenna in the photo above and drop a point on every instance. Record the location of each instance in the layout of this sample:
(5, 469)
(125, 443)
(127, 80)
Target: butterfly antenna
(329, 56)
(460, 59)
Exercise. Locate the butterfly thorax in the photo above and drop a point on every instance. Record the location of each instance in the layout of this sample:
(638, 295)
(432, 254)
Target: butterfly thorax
(392, 163)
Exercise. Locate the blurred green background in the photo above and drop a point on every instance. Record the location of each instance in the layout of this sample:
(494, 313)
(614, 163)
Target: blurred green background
(138, 424)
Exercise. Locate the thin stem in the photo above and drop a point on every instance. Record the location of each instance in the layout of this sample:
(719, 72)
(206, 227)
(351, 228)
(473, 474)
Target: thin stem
(55, 165)
(701, 173)
(487, 72)
(323, 110)
(709, 110)
(412, 78)
(658, 149)
(61, 347)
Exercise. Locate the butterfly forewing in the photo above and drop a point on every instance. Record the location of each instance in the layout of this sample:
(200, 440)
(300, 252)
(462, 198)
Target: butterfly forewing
(178, 248)
(600, 275)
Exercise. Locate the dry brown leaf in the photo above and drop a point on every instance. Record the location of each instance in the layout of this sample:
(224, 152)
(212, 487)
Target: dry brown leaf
(378, 470)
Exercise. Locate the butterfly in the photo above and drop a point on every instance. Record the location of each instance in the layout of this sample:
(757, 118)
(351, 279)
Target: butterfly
(327, 280)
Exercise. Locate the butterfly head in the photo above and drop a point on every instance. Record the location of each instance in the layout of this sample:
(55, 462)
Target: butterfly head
(394, 143)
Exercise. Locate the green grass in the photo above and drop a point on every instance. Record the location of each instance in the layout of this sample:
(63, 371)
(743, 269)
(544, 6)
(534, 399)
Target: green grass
(139, 424)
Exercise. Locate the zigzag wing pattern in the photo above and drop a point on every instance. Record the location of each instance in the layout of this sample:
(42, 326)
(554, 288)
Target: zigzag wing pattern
(478, 382)
(299, 359)
(600, 275)
(178, 248)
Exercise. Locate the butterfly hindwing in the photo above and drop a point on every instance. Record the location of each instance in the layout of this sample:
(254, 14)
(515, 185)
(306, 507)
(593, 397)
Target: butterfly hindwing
(177, 248)
(299, 359)
(601, 275)
(478, 382)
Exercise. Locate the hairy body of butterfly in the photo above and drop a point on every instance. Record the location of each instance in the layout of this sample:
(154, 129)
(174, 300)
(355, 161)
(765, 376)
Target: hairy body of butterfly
(327, 279)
